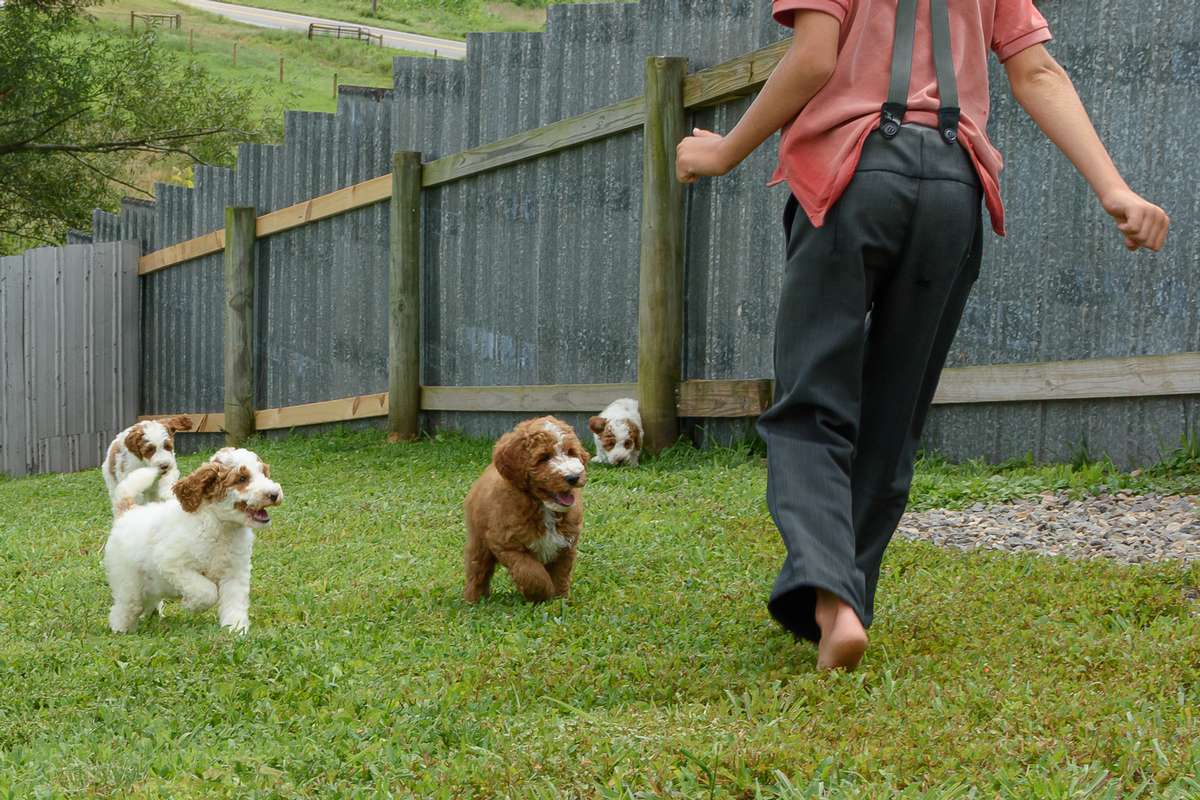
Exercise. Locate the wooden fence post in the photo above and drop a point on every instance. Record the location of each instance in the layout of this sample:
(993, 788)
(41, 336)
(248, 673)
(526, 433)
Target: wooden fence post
(239, 324)
(404, 299)
(660, 287)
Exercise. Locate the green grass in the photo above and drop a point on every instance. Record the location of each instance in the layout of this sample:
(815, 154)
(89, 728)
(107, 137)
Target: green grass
(364, 672)
(309, 66)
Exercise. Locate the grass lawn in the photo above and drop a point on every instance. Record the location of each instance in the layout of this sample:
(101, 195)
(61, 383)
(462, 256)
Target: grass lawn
(365, 673)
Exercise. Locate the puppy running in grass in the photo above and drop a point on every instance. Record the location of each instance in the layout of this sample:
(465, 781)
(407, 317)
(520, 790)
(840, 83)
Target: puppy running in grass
(526, 511)
(195, 546)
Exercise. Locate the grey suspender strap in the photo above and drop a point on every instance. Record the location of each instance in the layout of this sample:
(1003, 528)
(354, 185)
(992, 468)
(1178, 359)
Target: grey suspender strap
(902, 46)
(943, 62)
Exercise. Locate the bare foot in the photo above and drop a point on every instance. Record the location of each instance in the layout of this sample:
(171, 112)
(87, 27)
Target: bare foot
(843, 638)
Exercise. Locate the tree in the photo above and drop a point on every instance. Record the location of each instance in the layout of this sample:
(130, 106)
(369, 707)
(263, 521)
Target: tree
(82, 108)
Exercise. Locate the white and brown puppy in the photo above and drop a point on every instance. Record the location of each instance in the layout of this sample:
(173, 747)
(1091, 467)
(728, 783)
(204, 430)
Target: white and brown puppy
(195, 546)
(525, 511)
(148, 446)
(618, 433)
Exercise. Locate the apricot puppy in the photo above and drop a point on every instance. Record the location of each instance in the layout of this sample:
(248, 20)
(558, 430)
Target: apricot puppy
(526, 512)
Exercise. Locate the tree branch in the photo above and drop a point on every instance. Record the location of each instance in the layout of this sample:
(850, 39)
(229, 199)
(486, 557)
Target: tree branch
(107, 176)
(16, 147)
(147, 143)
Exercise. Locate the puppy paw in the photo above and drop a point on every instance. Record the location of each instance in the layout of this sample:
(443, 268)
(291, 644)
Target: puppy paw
(239, 625)
(123, 620)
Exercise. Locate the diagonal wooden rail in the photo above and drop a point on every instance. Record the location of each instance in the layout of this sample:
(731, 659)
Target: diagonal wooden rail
(735, 78)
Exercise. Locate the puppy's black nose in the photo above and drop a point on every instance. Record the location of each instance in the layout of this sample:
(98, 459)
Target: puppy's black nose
(273, 497)
(572, 479)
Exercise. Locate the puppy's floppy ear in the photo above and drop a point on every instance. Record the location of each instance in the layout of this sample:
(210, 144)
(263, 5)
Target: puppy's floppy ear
(596, 425)
(511, 456)
(135, 440)
(178, 423)
(201, 484)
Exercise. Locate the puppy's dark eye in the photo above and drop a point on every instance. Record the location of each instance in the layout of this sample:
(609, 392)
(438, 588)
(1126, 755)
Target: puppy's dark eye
(544, 459)
(629, 444)
(167, 447)
(243, 479)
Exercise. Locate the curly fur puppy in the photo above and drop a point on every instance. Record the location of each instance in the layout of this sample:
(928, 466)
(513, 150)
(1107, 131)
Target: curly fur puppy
(195, 546)
(618, 433)
(148, 446)
(526, 512)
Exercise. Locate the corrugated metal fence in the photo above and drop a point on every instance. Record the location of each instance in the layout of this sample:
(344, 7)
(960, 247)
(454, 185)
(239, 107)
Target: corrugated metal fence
(69, 354)
(531, 271)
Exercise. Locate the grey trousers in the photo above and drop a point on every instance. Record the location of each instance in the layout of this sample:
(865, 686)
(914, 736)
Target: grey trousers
(869, 307)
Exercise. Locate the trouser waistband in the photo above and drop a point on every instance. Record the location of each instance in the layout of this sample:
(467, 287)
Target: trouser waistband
(918, 152)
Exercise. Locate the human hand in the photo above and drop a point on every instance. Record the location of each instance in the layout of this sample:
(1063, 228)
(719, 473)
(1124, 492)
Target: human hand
(1142, 223)
(702, 153)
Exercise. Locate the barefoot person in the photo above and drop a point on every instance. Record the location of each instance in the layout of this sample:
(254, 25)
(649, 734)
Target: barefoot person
(884, 107)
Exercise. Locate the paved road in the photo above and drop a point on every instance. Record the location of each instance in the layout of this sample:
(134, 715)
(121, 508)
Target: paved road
(265, 18)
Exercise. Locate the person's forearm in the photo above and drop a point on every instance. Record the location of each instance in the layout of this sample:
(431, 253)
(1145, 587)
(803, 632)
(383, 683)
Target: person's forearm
(793, 83)
(1048, 96)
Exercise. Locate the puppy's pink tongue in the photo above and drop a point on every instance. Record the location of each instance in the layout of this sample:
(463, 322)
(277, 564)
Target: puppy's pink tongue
(566, 499)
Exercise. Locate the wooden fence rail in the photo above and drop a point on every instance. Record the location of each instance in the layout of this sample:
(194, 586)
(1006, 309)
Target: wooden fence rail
(1135, 376)
(154, 20)
(344, 32)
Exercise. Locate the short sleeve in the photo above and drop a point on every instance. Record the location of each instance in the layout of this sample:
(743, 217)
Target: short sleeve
(1017, 26)
(785, 10)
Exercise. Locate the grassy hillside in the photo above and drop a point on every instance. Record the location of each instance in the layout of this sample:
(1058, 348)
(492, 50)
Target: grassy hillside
(309, 67)
(452, 19)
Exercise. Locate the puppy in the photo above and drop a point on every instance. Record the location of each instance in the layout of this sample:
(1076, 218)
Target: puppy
(618, 433)
(526, 512)
(195, 546)
(148, 446)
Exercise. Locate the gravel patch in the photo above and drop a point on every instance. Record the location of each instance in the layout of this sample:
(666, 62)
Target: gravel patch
(1132, 529)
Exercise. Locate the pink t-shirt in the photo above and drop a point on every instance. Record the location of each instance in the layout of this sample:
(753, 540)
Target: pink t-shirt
(820, 148)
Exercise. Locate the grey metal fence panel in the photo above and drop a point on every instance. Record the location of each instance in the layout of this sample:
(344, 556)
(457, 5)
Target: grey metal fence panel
(14, 429)
(1060, 286)
(69, 367)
